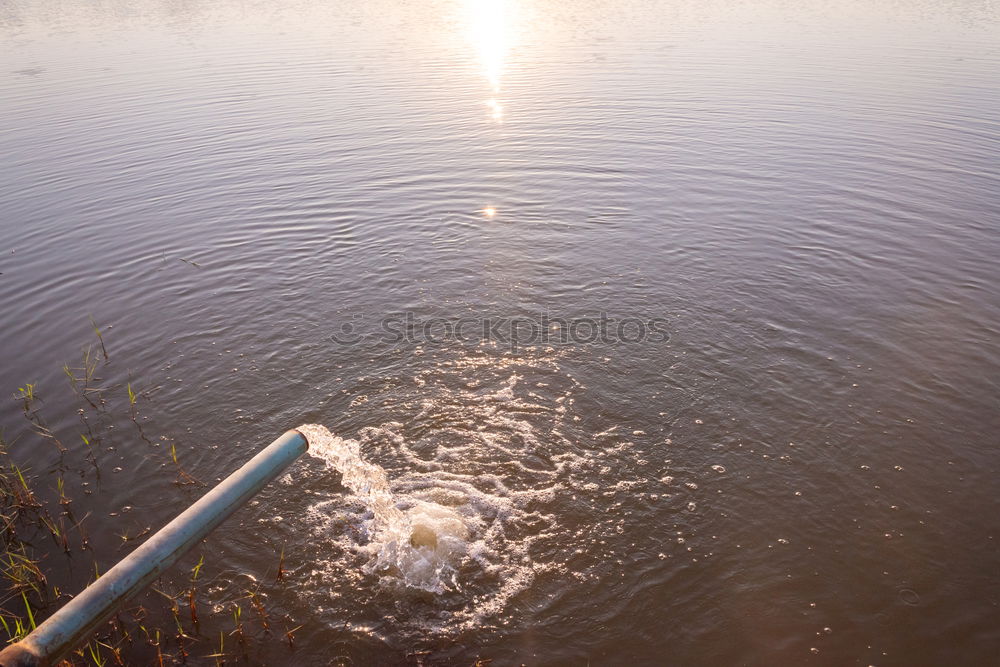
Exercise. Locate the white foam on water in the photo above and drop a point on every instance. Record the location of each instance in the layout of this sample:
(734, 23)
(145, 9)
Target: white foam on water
(436, 532)
(486, 494)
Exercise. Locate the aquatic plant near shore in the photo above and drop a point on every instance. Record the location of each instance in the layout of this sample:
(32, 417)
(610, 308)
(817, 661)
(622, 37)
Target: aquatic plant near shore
(100, 338)
(27, 396)
(35, 578)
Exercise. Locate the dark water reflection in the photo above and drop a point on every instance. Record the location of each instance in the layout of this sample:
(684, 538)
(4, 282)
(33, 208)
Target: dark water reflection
(808, 193)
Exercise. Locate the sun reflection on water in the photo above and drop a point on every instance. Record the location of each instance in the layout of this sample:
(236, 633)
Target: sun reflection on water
(496, 109)
(489, 30)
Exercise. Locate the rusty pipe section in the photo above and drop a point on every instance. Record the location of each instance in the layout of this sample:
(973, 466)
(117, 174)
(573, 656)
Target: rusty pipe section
(78, 618)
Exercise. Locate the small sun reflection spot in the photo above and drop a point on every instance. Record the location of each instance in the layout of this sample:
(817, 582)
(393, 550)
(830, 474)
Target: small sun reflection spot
(496, 109)
(489, 212)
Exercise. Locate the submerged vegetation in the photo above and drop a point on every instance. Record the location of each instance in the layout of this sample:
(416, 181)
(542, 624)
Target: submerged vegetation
(49, 555)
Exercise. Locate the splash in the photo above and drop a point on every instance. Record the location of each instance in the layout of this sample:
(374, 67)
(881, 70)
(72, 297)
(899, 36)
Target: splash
(418, 546)
(451, 520)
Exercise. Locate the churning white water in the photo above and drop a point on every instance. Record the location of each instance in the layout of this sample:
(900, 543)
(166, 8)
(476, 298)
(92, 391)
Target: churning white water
(462, 514)
(419, 542)
(438, 533)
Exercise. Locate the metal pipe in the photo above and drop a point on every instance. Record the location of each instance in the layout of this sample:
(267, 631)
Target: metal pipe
(79, 617)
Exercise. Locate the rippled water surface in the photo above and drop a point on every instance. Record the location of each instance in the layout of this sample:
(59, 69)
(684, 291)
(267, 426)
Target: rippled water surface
(804, 471)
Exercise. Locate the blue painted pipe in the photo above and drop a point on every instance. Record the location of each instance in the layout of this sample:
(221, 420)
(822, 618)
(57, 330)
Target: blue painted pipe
(78, 619)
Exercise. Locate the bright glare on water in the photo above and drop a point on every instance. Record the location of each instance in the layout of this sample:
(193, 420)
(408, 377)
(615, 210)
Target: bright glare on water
(794, 461)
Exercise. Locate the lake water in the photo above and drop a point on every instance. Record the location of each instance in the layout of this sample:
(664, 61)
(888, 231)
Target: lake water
(795, 463)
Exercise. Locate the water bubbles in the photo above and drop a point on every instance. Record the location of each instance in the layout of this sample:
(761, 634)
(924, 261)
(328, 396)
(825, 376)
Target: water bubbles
(473, 496)
(463, 498)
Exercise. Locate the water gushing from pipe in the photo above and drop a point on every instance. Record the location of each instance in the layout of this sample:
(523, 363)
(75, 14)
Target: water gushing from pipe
(419, 546)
